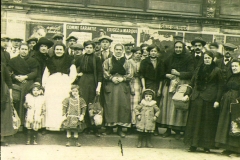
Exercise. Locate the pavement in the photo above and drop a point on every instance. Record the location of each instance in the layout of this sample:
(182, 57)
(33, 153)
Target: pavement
(52, 147)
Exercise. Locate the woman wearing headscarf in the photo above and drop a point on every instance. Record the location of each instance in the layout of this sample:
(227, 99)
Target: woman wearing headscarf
(90, 82)
(117, 73)
(152, 73)
(23, 70)
(179, 69)
(230, 143)
(207, 84)
(58, 75)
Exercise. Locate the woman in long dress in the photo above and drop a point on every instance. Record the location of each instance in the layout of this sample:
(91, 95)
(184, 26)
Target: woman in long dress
(179, 69)
(207, 84)
(231, 144)
(6, 105)
(59, 73)
(117, 73)
(135, 84)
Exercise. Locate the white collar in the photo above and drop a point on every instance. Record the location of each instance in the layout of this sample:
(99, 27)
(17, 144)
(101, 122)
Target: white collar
(151, 103)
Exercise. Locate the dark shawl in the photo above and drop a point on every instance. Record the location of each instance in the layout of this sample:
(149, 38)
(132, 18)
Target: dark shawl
(59, 64)
(118, 66)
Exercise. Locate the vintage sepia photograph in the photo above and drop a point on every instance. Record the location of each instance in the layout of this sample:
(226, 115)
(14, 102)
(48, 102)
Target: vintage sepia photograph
(120, 79)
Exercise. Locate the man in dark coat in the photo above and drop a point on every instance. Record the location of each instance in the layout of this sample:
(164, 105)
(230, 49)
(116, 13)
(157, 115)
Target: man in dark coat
(198, 44)
(5, 56)
(224, 63)
(41, 55)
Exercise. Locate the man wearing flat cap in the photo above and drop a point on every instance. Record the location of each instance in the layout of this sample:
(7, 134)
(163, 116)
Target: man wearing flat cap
(71, 40)
(97, 47)
(105, 47)
(14, 50)
(198, 44)
(78, 50)
(214, 48)
(5, 56)
(41, 55)
(32, 41)
(128, 47)
(101, 33)
(58, 37)
(225, 63)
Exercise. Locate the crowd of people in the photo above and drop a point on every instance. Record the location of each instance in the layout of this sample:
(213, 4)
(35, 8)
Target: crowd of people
(59, 84)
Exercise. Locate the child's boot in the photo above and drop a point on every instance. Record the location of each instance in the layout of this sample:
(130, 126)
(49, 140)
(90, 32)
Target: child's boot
(149, 144)
(77, 144)
(29, 134)
(35, 137)
(140, 138)
(68, 142)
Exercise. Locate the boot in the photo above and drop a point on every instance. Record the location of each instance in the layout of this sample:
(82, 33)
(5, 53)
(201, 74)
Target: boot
(109, 130)
(35, 137)
(68, 142)
(149, 144)
(178, 135)
(77, 144)
(97, 133)
(140, 138)
(167, 133)
(29, 134)
(120, 132)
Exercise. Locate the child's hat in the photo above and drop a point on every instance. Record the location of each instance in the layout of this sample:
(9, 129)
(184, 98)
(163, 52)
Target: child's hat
(148, 92)
(36, 84)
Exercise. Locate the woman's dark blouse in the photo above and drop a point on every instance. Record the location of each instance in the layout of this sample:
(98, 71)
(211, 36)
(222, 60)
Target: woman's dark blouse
(85, 65)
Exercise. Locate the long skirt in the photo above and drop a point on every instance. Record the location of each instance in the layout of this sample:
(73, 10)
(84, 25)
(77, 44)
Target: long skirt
(223, 139)
(136, 98)
(19, 105)
(6, 117)
(202, 124)
(57, 89)
(170, 117)
(88, 92)
(117, 103)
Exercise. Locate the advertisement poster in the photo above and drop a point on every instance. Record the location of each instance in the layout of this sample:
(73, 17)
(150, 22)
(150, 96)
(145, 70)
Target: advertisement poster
(236, 41)
(89, 32)
(43, 29)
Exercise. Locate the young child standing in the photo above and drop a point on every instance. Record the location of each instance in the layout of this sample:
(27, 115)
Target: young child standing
(74, 108)
(146, 112)
(35, 104)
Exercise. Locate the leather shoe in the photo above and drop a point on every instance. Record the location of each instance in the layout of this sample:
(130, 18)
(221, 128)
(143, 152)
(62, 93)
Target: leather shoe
(121, 134)
(192, 149)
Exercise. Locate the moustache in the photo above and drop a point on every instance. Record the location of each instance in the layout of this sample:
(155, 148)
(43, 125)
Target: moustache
(197, 49)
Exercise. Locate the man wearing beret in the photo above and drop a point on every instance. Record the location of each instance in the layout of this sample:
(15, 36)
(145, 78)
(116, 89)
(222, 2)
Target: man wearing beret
(32, 41)
(5, 56)
(225, 63)
(71, 40)
(128, 47)
(105, 45)
(198, 44)
(14, 50)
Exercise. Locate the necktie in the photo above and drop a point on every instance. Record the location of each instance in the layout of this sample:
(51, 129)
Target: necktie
(72, 52)
(198, 56)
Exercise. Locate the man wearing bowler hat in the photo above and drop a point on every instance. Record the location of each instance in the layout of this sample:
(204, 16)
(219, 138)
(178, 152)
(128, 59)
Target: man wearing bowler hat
(14, 50)
(32, 41)
(5, 56)
(71, 40)
(128, 47)
(224, 63)
(198, 44)
(105, 45)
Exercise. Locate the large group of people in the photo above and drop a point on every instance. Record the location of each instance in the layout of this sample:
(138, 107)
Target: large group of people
(57, 84)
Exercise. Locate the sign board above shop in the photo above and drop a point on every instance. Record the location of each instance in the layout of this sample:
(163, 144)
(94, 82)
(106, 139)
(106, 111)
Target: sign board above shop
(89, 32)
